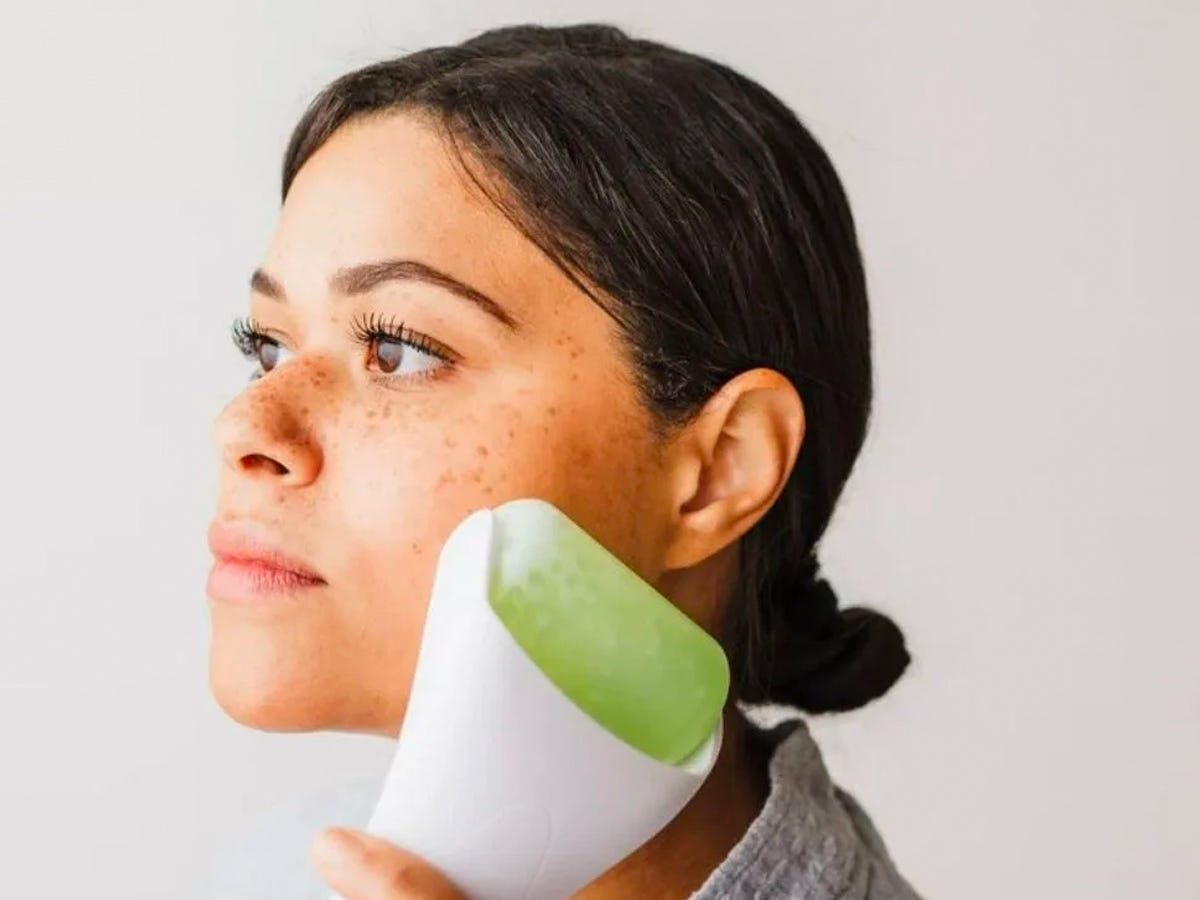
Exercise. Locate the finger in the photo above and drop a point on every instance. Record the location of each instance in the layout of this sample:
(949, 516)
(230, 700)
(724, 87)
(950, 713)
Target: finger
(360, 866)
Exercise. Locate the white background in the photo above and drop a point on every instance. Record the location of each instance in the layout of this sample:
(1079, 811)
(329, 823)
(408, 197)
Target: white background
(1024, 175)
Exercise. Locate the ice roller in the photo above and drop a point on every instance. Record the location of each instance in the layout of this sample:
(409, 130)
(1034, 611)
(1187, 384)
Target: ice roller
(562, 711)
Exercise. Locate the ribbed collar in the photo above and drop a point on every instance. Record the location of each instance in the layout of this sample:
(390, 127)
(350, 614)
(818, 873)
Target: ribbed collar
(810, 840)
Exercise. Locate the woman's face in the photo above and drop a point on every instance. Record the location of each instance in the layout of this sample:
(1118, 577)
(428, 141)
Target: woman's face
(359, 459)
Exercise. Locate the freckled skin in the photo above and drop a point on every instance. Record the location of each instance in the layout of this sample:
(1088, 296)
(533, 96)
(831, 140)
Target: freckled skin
(363, 475)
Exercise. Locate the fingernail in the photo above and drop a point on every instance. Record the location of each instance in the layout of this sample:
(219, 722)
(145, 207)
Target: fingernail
(335, 847)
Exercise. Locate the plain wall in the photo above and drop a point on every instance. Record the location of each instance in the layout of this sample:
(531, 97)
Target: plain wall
(1024, 180)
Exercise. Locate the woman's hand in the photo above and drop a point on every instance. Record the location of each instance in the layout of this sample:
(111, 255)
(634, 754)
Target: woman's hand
(360, 866)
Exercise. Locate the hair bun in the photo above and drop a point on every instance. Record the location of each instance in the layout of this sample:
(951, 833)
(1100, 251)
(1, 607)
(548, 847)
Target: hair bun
(829, 660)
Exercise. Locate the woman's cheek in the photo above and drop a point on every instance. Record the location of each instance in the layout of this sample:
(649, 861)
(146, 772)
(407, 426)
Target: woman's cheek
(409, 480)
(414, 479)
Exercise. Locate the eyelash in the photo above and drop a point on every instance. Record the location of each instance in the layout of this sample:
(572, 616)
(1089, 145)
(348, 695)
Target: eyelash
(248, 335)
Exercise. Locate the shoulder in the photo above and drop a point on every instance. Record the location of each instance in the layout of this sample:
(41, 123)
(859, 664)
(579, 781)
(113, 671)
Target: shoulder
(812, 838)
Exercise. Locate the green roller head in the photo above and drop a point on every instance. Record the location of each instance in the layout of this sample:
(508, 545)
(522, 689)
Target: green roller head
(613, 644)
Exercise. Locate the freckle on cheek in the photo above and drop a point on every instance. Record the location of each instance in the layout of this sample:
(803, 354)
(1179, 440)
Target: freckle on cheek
(481, 450)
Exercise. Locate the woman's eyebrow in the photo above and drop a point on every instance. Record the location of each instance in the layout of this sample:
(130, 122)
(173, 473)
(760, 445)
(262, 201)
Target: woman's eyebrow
(364, 277)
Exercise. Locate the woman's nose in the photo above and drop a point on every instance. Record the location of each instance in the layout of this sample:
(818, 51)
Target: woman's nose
(260, 434)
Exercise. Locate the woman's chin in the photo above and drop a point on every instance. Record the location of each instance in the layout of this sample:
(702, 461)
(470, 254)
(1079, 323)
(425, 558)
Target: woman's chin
(270, 689)
(269, 700)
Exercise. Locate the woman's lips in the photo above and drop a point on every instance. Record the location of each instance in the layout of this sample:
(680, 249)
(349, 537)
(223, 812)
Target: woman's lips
(248, 566)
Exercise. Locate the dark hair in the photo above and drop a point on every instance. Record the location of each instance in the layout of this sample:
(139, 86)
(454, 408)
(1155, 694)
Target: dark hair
(719, 232)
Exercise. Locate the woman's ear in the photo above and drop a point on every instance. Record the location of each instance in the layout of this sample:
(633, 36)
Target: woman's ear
(730, 463)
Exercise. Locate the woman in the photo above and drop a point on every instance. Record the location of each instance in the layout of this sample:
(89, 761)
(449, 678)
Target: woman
(563, 263)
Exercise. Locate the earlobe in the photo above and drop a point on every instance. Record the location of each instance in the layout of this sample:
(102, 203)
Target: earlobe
(732, 462)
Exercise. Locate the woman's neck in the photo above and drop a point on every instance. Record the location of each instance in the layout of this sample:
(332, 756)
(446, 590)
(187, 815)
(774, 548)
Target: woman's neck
(677, 860)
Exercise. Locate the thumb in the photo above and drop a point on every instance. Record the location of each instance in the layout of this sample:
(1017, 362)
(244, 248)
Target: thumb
(360, 866)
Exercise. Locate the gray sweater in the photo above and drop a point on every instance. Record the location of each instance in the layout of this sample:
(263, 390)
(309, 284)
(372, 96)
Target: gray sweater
(811, 840)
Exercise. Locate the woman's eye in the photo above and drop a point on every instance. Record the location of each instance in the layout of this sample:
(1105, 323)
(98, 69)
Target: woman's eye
(396, 357)
(399, 352)
(269, 355)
